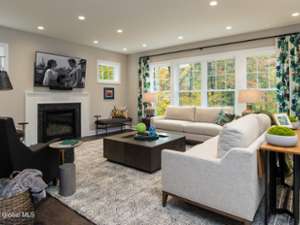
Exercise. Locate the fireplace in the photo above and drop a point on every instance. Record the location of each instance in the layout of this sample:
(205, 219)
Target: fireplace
(59, 121)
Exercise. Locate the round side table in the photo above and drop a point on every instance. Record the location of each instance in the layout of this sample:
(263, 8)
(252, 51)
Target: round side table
(62, 148)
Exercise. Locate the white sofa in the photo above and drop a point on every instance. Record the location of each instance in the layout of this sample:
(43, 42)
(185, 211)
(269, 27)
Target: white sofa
(221, 174)
(196, 123)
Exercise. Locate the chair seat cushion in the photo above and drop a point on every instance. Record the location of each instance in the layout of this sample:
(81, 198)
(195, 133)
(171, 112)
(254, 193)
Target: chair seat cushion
(206, 150)
(209, 129)
(172, 125)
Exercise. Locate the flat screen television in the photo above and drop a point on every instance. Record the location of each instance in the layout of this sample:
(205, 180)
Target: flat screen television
(58, 71)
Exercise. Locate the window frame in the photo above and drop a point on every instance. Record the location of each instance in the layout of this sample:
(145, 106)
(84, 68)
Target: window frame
(116, 73)
(6, 55)
(240, 57)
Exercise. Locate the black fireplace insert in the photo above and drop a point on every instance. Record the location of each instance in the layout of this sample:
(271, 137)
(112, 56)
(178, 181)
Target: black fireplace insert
(59, 121)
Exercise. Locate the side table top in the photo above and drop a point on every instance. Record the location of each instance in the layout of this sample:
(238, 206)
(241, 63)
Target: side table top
(60, 145)
(291, 150)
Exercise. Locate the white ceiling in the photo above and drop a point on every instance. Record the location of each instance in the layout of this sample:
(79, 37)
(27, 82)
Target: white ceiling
(157, 23)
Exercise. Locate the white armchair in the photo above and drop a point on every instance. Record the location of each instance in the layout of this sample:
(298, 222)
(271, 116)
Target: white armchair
(229, 185)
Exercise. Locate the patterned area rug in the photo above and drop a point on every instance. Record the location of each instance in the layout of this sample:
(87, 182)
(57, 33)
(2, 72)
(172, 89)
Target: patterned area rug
(112, 194)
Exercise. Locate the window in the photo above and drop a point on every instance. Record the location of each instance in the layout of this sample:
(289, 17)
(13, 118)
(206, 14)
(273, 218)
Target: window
(214, 80)
(190, 84)
(3, 57)
(261, 74)
(161, 84)
(108, 72)
(221, 82)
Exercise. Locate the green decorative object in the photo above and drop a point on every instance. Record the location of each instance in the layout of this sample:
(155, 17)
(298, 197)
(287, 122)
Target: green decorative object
(281, 131)
(141, 128)
(69, 142)
(293, 119)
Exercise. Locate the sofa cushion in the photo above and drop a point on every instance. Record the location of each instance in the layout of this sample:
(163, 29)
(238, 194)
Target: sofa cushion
(238, 134)
(208, 129)
(180, 113)
(206, 150)
(210, 114)
(172, 125)
(264, 122)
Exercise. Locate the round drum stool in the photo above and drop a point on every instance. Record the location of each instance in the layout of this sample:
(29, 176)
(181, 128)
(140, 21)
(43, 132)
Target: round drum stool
(67, 179)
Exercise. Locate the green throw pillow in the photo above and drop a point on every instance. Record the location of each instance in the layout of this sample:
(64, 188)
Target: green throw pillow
(224, 118)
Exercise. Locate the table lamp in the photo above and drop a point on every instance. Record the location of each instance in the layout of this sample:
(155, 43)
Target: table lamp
(249, 97)
(149, 98)
(5, 83)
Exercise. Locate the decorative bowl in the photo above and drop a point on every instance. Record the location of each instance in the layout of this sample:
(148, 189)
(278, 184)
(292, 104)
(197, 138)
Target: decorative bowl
(285, 141)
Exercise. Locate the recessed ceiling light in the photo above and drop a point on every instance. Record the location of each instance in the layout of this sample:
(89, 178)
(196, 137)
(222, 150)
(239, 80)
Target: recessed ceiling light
(228, 27)
(96, 42)
(81, 17)
(120, 31)
(125, 49)
(213, 3)
(180, 37)
(41, 28)
(295, 14)
(144, 45)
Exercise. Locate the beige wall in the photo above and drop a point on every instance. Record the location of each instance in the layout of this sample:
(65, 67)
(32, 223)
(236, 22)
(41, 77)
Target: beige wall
(133, 59)
(22, 47)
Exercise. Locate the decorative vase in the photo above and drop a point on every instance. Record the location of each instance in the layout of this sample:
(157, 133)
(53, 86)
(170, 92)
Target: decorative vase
(296, 125)
(285, 141)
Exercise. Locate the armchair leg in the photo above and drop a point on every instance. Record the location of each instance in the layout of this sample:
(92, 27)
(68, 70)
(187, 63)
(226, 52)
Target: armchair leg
(164, 199)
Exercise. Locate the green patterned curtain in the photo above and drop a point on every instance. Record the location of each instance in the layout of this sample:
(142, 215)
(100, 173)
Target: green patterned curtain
(144, 84)
(288, 73)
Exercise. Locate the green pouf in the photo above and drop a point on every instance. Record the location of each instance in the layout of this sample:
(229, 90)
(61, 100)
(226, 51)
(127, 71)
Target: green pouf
(141, 128)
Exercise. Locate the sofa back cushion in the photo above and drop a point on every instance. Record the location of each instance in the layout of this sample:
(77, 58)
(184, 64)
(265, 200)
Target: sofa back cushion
(264, 122)
(239, 134)
(210, 114)
(180, 113)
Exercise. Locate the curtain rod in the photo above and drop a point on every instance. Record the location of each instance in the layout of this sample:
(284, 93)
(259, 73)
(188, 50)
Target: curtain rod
(220, 45)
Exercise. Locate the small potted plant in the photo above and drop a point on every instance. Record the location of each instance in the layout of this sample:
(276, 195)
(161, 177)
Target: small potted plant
(295, 122)
(281, 136)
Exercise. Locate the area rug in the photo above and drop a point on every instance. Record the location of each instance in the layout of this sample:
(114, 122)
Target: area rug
(112, 194)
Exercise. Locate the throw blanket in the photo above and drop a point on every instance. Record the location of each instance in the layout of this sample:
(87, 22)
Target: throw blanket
(28, 179)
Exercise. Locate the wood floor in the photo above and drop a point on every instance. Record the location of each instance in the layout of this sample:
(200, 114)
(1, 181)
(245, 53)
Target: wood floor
(53, 212)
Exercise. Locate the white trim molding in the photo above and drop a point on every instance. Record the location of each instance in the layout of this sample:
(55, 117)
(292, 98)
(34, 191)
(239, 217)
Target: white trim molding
(34, 98)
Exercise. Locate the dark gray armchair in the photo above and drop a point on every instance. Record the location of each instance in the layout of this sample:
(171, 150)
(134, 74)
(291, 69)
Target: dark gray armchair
(14, 155)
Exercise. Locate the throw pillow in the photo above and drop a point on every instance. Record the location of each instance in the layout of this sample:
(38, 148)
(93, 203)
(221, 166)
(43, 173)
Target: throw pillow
(224, 118)
(119, 112)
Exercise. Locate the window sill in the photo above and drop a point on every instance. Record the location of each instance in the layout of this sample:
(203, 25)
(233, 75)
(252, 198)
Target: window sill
(112, 82)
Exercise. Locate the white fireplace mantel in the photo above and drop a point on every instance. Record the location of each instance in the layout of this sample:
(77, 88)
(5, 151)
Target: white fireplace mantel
(34, 98)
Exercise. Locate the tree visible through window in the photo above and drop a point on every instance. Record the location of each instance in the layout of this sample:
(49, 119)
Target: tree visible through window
(108, 72)
(190, 84)
(261, 74)
(221, 82)
(161, 84)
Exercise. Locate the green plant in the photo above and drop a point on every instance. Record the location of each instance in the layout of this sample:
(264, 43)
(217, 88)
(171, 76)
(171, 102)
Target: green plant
(293, 119)
(281, 131)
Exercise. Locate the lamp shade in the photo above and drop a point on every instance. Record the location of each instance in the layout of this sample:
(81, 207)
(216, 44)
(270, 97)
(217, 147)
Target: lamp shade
(149, 97)
(250, 96)
(5, 83)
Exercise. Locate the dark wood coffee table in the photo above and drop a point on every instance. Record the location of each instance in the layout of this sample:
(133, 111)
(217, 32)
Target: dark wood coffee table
(142, 155)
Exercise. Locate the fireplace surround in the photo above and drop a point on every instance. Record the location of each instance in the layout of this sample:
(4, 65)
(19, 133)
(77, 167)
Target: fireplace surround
(37, 97)
(59, 121)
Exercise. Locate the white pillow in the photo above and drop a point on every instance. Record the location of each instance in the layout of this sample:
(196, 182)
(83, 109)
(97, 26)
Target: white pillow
(264, 122)
(180, 113)
(238, 134)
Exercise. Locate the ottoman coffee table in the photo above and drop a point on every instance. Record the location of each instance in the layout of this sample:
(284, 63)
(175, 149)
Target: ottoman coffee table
(142, 155)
